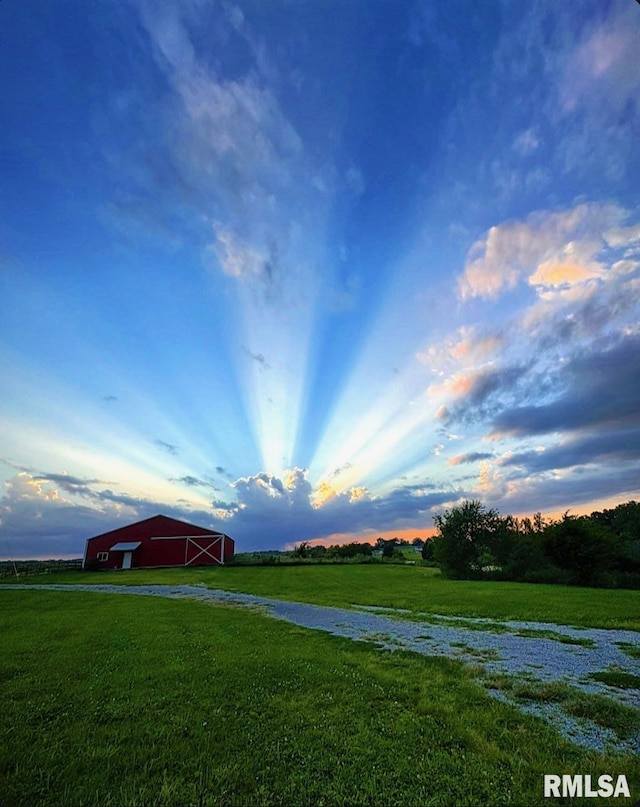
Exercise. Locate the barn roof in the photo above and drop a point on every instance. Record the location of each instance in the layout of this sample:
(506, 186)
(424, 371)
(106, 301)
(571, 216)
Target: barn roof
(163, 522)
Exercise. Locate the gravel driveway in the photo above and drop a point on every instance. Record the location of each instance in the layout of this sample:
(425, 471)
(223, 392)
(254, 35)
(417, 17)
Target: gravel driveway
(534, 651)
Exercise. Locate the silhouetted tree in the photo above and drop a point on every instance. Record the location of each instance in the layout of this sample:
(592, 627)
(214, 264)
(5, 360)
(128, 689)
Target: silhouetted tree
(583, 548)
(465, 537)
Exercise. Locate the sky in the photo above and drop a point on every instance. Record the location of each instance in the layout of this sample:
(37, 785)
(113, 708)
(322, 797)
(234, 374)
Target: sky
(315, 270)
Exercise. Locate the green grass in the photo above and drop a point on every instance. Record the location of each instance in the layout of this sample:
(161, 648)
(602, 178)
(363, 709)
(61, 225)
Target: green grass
(415, 588)
(605, 711)
(631, 650)
(123, 701)
(617, 678)
(482, 654)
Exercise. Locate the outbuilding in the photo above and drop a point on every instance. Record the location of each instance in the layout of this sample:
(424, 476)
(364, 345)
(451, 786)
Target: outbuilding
(156, 542)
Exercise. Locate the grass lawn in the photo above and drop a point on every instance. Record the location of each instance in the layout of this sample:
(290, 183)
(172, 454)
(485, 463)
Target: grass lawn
(395, 586)
(123, 701)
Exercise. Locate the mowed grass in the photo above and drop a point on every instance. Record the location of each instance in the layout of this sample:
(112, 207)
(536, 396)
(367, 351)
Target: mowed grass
(113, 700)
(415, 588)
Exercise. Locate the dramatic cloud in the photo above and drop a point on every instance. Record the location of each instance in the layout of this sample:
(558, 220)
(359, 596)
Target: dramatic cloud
(601, 390)
(473, 396)
(38, 521)
(270, 509)
(71, 484)
(617, 446)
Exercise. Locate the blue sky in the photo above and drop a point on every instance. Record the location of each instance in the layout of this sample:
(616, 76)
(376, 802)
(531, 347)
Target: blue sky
(315, 270)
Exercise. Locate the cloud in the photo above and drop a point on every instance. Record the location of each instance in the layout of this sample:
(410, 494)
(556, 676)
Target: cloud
(526, 142)
(257, 357)
(564, 273)
(602, 75)
(548, 492)
(210, 157)
(617, 446)
(538, 248)
(472, 456)
(595, 104)
(601, 389)
(194, 482)
(40, 521)
(473, 347)
(341, 469)
(168, 447)
(233, 141)
(564, 318)
(269, 511)
(624, 236)
(68, 483)
(273, 511)
(477, 393)
(237, 257)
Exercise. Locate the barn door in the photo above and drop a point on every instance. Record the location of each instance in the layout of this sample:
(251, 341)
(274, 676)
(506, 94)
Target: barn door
(126, 560)
(203, 550)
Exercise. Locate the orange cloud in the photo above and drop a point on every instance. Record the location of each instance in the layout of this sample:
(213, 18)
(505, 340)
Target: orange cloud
(469, 347)
(323, 493)
(561, 273)
(457, 385)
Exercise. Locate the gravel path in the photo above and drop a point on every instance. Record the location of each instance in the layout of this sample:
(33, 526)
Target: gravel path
(535, 651)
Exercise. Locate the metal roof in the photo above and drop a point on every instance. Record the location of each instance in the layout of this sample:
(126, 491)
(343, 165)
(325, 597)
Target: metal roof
(123, 546)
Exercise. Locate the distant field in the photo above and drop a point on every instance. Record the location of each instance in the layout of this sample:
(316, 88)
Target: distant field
(415, 588)
(119, 701)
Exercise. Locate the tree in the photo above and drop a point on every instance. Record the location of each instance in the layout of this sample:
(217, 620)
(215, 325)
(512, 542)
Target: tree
(301, 550)
(389, 548)
(465, 537)
(583, 548)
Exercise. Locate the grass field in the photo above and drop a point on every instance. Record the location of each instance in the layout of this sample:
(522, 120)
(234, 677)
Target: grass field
(395, 586)
(123, 701)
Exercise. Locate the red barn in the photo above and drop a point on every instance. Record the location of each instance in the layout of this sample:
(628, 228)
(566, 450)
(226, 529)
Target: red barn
(157, 541)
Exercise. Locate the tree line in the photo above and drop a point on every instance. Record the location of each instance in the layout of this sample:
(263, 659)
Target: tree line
(387, 548)
(602, 549)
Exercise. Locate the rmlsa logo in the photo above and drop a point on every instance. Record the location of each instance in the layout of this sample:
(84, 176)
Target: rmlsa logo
(581, 786)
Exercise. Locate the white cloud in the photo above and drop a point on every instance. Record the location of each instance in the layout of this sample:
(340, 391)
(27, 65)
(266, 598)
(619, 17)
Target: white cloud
(603, 72)
(537, 247)
(236, 162)
(623, 236)
(236, 257)
(527, 142)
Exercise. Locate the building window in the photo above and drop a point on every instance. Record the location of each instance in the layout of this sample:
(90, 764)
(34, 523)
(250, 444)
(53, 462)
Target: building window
(103, 555)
